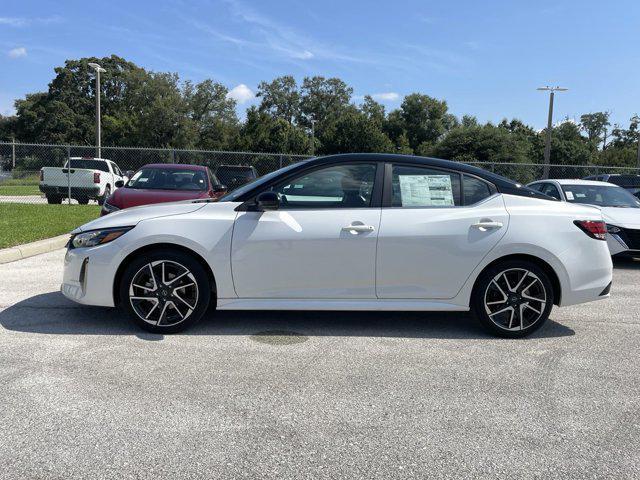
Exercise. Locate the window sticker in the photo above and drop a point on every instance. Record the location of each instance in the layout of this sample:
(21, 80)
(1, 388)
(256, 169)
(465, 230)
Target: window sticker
(569, 195)
(426, 190)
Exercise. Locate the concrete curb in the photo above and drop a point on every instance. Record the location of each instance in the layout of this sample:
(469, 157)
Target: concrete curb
(19, 252)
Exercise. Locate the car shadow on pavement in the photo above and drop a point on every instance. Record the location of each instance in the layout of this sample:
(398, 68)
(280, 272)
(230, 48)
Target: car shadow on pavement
(626, 263)
(51, 313)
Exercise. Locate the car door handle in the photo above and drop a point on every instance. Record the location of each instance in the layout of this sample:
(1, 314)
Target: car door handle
(487, 225)
(358, 228)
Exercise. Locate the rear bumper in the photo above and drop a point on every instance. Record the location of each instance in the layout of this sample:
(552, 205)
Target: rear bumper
(590, 276)
(91, 192)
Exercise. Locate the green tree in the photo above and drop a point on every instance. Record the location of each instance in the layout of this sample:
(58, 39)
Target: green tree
(594, 125)
(263, 133)
(423, 119)
(355, 131)
(280, 98)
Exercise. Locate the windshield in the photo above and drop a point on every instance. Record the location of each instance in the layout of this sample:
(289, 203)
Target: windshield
(600, 195)
(168, 179)
(233, 196)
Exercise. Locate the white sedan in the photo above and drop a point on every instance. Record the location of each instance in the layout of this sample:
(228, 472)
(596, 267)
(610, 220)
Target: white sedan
(348, 232)
(620, 209)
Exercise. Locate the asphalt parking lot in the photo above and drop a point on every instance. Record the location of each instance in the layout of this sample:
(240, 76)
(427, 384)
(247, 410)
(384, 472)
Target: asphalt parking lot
(84, 394)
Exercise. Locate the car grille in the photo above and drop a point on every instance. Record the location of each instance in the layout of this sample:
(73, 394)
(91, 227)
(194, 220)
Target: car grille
(631, 237)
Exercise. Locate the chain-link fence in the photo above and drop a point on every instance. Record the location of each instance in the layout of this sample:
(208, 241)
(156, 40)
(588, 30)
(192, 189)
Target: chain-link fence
(37, 173)
(41, 173)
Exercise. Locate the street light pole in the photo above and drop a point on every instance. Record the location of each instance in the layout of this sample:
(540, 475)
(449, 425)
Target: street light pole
(547, 146)
(98, 70)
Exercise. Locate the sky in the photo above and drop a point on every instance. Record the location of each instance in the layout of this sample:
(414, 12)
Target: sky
(485, 58)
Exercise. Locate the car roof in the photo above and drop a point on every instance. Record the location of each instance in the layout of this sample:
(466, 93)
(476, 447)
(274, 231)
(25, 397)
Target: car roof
(576, 181)
(413, 159)
(175, 166)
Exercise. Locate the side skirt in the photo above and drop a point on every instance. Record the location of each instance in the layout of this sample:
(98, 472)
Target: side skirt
(340, 305)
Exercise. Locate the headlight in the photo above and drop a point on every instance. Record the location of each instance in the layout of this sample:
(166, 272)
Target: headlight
(613, 229)
(97, 237)
(107, 207)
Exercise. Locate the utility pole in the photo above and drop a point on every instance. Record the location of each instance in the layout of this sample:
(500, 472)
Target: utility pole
(313, 137)
(547, 146)
(635, 119)
(98, 70)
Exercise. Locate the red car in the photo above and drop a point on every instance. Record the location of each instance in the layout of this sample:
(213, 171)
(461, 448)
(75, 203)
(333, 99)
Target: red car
(161, 182)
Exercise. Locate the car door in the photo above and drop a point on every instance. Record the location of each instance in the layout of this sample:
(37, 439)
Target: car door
(436, 227)
(320, 243)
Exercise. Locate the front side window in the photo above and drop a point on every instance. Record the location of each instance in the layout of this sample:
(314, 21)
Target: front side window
(337, 186)
(424, 187)
(551, 190)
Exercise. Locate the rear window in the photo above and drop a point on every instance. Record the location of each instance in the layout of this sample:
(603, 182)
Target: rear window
(89, 164)
(625, 180)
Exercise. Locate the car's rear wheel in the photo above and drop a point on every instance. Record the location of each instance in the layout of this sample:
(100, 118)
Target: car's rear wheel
(513, 298)
(54, 199)
(165, 291)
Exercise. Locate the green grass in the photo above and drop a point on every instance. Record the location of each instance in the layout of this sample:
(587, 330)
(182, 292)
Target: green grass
(19, 190)
(30, 179)
(23, 223)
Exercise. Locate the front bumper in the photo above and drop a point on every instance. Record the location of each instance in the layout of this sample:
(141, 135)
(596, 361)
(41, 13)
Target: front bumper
(624, 243)
(89, 275)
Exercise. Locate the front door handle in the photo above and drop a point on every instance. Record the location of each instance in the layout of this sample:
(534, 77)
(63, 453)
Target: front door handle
(357, 228)
(485, 225)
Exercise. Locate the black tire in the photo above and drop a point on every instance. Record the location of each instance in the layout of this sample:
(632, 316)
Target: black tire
(512, 313)
(107, 192)
(54, 199)
(138, 269)
(83, 200)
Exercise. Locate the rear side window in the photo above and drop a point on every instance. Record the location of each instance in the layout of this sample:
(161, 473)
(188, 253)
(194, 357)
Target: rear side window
(475, 190)
(424, 187)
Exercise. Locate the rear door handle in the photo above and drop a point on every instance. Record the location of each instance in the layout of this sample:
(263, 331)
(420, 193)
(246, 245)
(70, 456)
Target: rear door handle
(357, 228)
(487, 225)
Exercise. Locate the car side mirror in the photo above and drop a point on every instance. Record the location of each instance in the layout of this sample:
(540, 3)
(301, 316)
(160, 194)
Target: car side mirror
(129, 173)
(268, 201)
(219, 188)
(119, 183)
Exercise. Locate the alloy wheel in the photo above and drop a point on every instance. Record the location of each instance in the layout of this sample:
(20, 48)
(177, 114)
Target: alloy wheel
(515, 299)
(163, 293)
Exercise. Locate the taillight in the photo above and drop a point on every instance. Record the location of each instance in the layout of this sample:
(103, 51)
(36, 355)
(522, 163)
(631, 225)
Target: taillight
(594, 228)
(41, 176)
(96, 177)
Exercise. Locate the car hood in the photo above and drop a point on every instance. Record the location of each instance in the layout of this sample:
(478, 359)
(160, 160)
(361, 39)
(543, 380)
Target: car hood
(131, 216)
(622, 217)
(132, 197)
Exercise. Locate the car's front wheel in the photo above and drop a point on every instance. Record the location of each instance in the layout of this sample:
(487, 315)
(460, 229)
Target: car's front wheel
(513, 298)
(107, 192)
(165, 291)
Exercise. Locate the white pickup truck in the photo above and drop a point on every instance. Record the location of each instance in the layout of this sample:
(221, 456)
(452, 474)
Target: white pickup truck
(87, 178)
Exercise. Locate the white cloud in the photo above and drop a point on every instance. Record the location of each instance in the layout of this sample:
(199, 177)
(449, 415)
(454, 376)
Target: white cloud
(17, 52)
(386, 96)
(24, 22)
(306, 55)
(241, 93)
